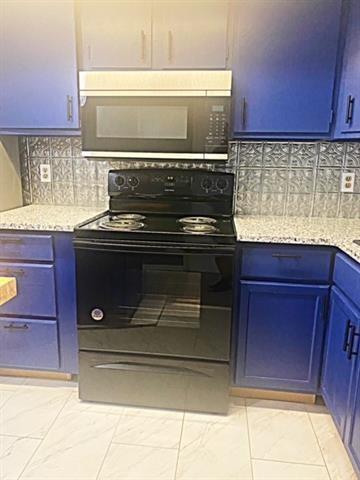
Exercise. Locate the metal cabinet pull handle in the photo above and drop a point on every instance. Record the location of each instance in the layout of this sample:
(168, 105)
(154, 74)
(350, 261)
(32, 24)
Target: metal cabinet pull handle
(346, 336)
(11, 326)
(244, 114)
(170, 44)
(284, 255)
(69, 106)
(145, 367)
(353, 334)
(10, 272)
(11, 241)
(143, 46)
(350, 109)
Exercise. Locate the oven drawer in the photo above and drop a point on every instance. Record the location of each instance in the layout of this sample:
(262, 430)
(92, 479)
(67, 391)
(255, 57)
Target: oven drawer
(35, 290)
(154, 382)
(28, 343)
(292, 263)
(26, 247)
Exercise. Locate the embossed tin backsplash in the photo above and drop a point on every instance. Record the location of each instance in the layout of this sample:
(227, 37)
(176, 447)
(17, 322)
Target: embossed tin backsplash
(273, 178)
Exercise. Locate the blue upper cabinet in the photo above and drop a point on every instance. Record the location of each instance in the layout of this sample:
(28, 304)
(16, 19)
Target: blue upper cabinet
(284, 63)
(38, 73)
(348, 113)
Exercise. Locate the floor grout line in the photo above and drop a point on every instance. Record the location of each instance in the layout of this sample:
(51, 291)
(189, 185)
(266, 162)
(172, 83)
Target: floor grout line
(249, 442)
(289, 461)
(318, 442)
(43, 438)
(180, 439)
(109, 446)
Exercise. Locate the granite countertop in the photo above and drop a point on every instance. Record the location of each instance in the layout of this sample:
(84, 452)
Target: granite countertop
(46, 217)
(337, 232)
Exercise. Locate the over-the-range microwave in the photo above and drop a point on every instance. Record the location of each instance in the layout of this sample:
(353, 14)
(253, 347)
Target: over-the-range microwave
(155, 114)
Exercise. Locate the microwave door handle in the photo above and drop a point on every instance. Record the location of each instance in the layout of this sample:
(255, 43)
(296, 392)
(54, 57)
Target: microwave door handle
(143, 46)
(170, 46)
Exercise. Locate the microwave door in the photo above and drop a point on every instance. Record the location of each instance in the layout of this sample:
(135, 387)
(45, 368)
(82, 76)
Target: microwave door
(138, 124)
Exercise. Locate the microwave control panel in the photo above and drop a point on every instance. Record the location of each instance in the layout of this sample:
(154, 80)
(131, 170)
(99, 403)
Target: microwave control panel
(218, 125)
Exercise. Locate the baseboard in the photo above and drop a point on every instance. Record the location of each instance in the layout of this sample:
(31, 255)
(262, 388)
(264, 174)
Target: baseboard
(15, 372)
(273, 395)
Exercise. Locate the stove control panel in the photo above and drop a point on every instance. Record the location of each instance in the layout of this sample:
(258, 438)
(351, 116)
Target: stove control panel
(163, 182)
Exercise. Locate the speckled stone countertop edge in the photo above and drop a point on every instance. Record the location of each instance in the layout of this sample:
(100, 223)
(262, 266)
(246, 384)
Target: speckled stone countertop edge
(46, 218)
(259, 234)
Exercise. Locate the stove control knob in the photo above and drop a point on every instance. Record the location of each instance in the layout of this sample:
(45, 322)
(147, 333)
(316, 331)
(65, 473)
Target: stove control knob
(119, 181)
(222, 183)
(97, 314)
(133, 181)
(206, 183)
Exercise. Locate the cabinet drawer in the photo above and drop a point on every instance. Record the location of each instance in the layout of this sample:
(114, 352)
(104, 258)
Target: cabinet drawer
(286, 263)
(26, 247)
(347, 277)
(29, 344)
(35, 287)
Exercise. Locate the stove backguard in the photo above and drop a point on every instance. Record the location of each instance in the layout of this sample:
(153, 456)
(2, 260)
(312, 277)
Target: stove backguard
(171, 191)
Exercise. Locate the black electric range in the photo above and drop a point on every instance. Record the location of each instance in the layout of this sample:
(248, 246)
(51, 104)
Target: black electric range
(154, 291)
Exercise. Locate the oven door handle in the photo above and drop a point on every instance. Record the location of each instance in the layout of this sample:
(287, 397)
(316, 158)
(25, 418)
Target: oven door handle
(145, 367)
(153, 248)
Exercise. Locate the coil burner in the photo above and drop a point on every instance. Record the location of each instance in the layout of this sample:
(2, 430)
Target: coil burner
(128, 216)
(201, 228)
(122, 225)
(197, 220)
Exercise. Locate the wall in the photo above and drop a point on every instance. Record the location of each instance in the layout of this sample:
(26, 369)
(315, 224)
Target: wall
(273, 178)
(10, 184)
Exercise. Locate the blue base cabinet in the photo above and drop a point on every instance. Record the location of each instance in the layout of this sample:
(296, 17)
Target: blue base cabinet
(280, 335)
(340, 384)
(38, 326)
(338, 370)
(352, 437)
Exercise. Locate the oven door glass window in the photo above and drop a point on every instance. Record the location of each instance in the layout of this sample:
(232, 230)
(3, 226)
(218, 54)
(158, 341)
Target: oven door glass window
(155, 303)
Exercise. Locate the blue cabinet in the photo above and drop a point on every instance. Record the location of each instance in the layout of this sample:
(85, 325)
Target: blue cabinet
(338, 367)
(284, 63)
(341, 372)
(38, 74)
(280, 335)
(28, 343)
(348, 112)
(352, 437)
(38, 327)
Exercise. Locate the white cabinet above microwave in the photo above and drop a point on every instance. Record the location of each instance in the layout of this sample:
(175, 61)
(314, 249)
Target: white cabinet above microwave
(158, 35)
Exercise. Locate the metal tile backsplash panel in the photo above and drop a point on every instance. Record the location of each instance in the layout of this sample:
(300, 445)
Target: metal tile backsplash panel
(272, 178)
(79, 181)
(296, 179)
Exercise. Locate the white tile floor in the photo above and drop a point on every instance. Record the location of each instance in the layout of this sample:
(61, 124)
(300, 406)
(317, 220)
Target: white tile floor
(46, 433)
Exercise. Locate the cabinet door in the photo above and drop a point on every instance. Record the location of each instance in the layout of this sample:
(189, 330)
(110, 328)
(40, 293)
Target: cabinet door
(280, 335)
(284, 59)
(352, 438)
(38, 76)
(348, 115)
(190, 34)
(116, 34)
(338, 368)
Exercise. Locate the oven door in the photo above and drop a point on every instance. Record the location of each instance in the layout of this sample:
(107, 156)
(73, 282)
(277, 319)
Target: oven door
(113, 126)
(153, 300)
